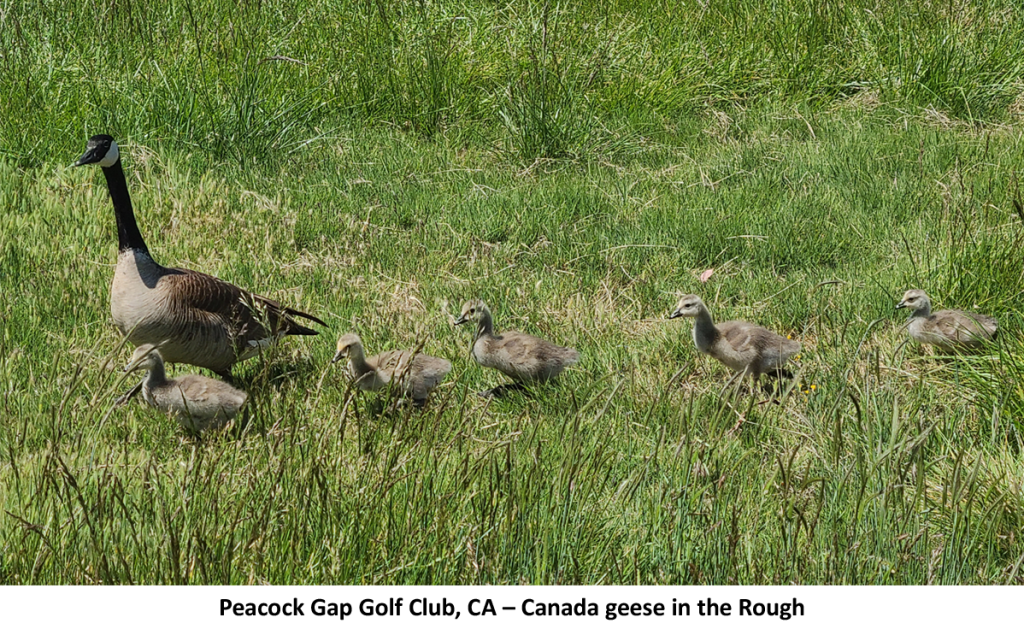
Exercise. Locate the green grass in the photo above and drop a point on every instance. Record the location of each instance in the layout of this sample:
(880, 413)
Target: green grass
(576, 167)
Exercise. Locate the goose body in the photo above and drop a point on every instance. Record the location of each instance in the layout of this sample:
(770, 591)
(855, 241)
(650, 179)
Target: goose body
(199, 403)
(414, 374)
(521, 357)
(947, 329)
(195, 318)
(743, 347)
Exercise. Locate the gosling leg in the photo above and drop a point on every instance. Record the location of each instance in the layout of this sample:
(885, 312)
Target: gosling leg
(501, 390)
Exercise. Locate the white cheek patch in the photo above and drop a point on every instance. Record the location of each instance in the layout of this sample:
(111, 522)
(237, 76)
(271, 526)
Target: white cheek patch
(112, 155)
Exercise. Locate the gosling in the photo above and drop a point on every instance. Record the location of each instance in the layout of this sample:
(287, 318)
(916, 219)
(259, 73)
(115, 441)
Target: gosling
(521, 357)
(947, 329)
(413, 374)
(199, 403)
(743, 347)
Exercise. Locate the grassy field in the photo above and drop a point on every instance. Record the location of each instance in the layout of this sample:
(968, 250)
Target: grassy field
(577, 166)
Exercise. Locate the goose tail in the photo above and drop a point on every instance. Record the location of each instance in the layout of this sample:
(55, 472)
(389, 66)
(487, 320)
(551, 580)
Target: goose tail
(305, 330)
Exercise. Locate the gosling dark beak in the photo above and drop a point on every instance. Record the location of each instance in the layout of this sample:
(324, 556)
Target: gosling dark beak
(675, 314)
(901, 305)
(460, 320)
(337, 357)
(91, 155)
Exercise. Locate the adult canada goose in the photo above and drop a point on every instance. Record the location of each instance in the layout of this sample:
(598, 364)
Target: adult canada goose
(412, 373)
(194, 317)
(741, 346)
(947, 329)
(198, 402)
(521, 357)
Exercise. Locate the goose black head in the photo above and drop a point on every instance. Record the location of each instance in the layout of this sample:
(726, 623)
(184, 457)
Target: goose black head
(100, 149)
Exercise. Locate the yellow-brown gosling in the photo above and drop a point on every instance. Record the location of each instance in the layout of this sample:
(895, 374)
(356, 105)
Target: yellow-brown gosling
(947, 329)
(412, 374)
(741, 346)
(521, 357)
(199, 403)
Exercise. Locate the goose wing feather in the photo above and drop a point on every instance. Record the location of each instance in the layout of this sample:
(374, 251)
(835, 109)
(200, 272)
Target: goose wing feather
(212, 301)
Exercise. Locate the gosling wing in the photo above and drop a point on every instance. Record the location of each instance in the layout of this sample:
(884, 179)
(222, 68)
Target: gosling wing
(965, 328)
(527, 358)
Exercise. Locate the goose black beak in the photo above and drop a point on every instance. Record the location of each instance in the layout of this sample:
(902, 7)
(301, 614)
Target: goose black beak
(337, 357)
(460, 320)
(675, 314)
(901, 305)
(91, 155)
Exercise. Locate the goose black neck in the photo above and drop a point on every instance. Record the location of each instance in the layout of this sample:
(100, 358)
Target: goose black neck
(129, 238)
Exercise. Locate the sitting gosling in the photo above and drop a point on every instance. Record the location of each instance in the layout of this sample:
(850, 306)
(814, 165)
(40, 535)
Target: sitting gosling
(413, 374)
(741, 346)
(947, 329)
(521, 357)
(199, 403)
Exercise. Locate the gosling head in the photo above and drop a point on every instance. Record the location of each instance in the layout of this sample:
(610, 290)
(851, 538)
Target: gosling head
(471, 311)
(915, 299)
(346, 345)
(689, 306)
(100, 149)
(144, 357)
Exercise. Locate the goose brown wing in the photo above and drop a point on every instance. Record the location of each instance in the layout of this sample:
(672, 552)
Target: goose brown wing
(212, 301)
(291, 327)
